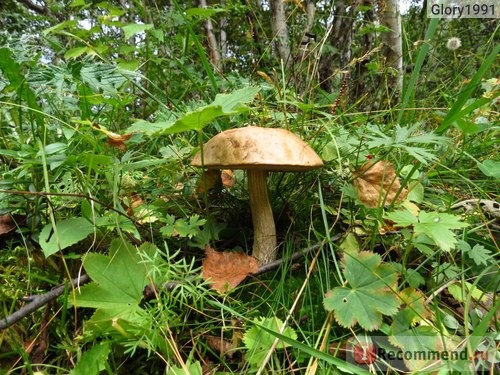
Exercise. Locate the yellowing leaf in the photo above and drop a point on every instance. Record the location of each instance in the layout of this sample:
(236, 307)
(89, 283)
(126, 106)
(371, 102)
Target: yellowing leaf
(225, 270)
(414, 301)
(114, 139)
(377, 184)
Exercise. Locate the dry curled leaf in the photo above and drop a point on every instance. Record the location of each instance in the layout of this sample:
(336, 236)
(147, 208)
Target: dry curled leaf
(377, 184)
(9, 223)
(114, 139)
(117, 140)
(228, 179)
(225, 270)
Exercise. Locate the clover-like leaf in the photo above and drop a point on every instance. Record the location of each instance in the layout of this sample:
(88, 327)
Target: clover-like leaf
(437, 226)
(368, 294)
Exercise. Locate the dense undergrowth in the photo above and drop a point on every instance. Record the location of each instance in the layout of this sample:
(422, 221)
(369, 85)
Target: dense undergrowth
(95, 178)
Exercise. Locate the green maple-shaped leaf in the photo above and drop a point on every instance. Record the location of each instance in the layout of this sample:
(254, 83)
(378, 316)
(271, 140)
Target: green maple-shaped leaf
(118, 282)
(368, 294)
(437, 226)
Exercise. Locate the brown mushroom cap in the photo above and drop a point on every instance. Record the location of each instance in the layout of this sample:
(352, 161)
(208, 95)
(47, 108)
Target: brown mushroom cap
(259, 150)
(253, 147)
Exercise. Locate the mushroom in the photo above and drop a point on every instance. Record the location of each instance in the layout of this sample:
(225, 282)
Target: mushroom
(258, 150)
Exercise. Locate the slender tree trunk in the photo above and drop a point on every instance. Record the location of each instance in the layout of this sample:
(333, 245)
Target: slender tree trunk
(393, 48)
(213, 48)
(223, 35)
(363, 82)
(305, 62)
(280, 30)
(344, 12)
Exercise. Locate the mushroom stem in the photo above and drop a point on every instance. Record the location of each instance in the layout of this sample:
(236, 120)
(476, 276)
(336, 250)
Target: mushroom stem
(264, 235)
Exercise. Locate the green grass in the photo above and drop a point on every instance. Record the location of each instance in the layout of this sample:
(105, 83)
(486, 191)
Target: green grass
(446, 280)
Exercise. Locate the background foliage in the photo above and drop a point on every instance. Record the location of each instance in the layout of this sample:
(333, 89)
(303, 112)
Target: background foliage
(104, 104)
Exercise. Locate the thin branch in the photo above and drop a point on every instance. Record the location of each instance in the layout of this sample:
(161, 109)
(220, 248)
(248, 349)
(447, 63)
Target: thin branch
(37, 301)
(40, 9)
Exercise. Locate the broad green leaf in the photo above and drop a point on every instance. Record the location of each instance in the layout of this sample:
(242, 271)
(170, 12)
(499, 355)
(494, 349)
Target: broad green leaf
(490, 168)
(94, 360)
(132, 65)
(103, 77)
(73, 53)
(135, 28)
(234, 102)
(422, 339)
(196, 120)
(368, 295)
(116, 290)
(330, 151)
(68, 232)
(53, 148)
(203, 13)
(350, 244)
(149, 128)
(191, 368)
(416, 193)
(402, 218)
(223, 105)
(77, 3)
(118, 278)
(258, 342)
(414, 278)
(460, 291)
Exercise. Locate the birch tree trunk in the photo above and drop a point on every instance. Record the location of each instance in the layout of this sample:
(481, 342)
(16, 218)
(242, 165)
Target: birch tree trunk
(280, 30)
(213, 48)
(223, 35)
(393, 48)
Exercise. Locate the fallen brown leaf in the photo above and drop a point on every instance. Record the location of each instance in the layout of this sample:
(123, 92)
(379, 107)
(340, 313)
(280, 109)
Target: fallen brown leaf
(225, 270)
(209, 180)
(221, 346)
(377, 184)
(228, 179)
(9, 223)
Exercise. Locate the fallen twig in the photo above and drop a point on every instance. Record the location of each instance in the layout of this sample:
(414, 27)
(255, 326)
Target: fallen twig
(37, 301)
